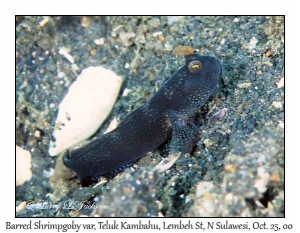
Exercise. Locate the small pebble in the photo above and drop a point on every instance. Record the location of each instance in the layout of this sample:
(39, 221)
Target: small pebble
(261, 183)
(155, 22)
(269, 53)
(117, 28)
(21, 206)
(23, 166)
(268, 63)
(183, 50)
(63, 51)
(275, 177)
(252, 43)
(74, 67)
(113, 124)
(99, 41)
(61, 74)
(218, 116)
(244, 85)
(86, 22)
(155, 34)
(93, 52)
(168, 47)
(42, 71)
(230, 168)
(34, 54)
(48, 173)
(280, 83)
(126, 37)
(37, 134)
(236, 20)
(208, 143)
(161, 38)
(159, 204)
(126, 91)
(44, 21)
(281, 124)
(174, 19)
(277, 104)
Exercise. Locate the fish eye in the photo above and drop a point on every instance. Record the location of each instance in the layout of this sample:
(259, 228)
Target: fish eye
(195, 66)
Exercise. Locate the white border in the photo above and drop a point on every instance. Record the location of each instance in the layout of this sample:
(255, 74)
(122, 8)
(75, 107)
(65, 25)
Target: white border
(292, 40)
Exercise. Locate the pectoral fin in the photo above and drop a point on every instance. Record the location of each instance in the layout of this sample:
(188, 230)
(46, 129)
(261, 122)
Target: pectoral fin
(184, 135)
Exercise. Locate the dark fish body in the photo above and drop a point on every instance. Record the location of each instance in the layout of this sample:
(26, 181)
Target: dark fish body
(167, 115)
(127, 143)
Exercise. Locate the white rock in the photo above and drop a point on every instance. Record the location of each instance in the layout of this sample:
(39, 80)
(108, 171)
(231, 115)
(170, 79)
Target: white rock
(113, 124)
(236, 20)
(44, 21)
(261, 183)
(23, 166)
(252, 43)
(126, 91)
(99, 41)
(155, 34)
(127, 65)
(63, 51)
(204, 187)
(223, 41)
(281, 124)
(21, 206)
(86, 105)
(174, 19)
